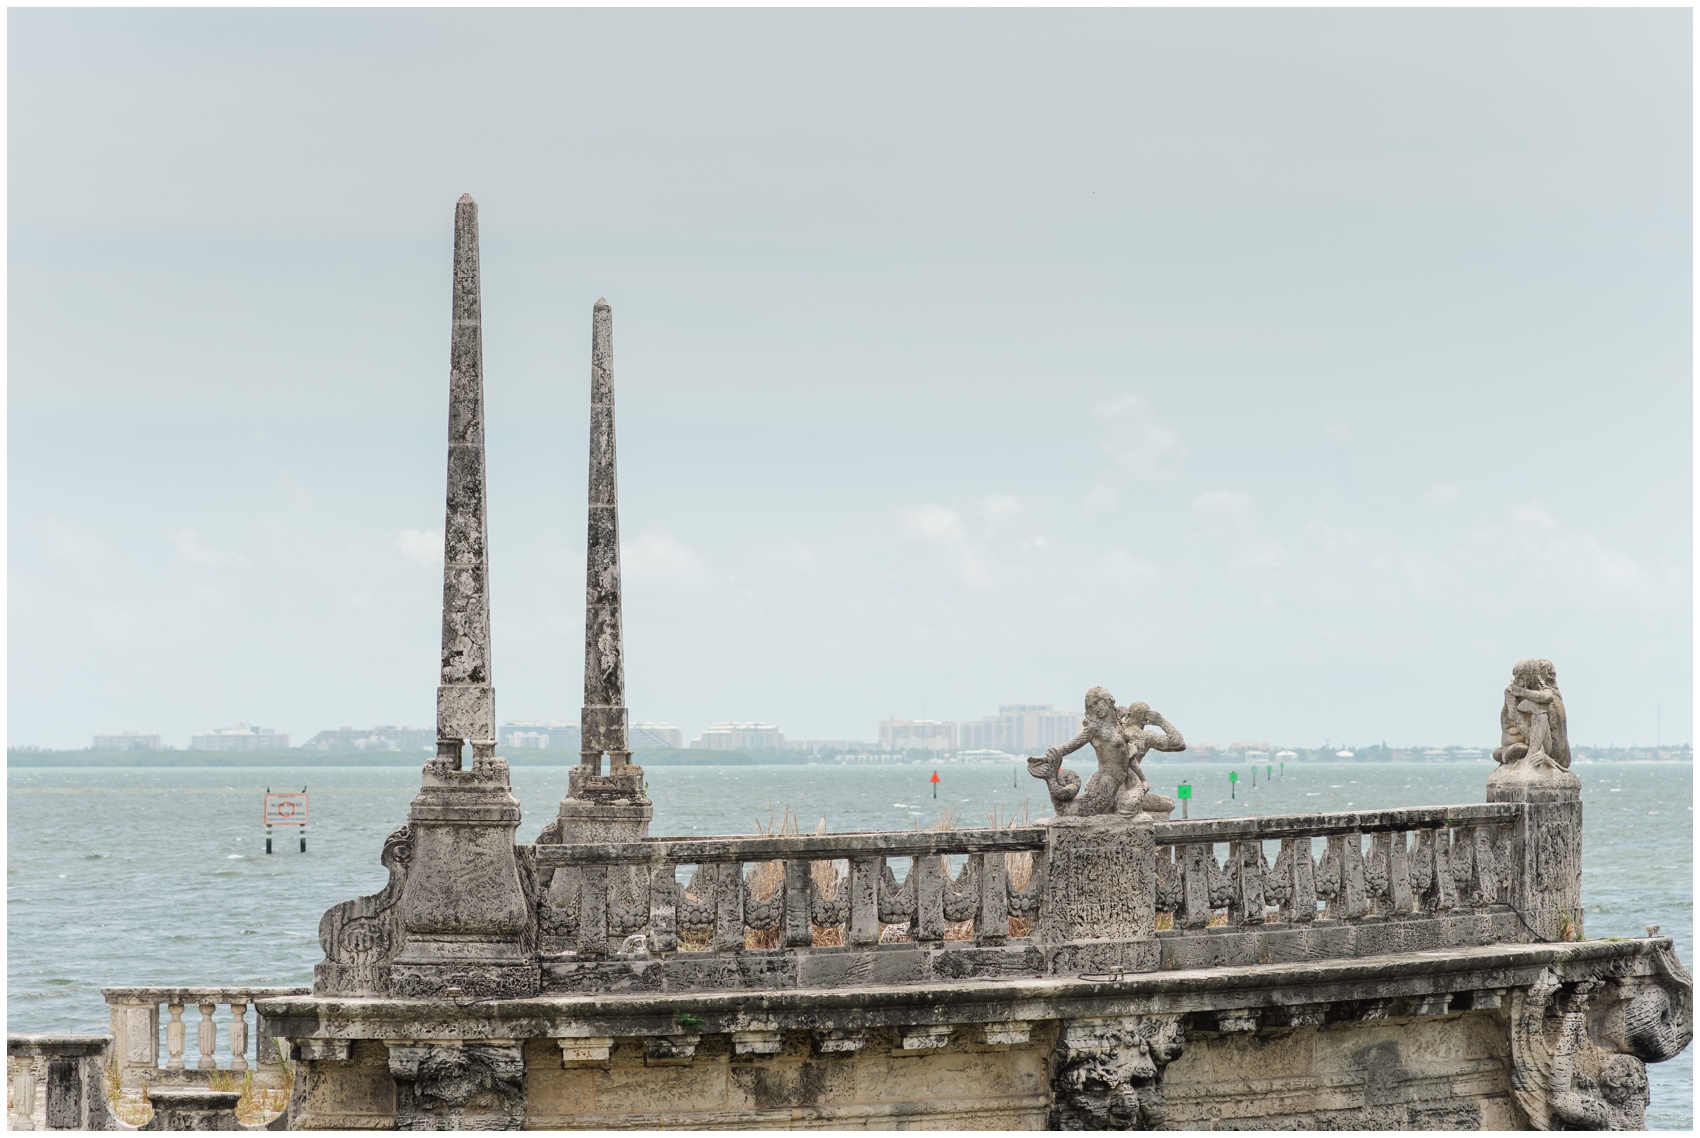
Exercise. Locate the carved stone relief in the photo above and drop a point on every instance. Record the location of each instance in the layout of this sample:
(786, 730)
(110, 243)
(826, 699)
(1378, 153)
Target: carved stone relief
(453, 1086)
(359, 937)
(1108, 1073)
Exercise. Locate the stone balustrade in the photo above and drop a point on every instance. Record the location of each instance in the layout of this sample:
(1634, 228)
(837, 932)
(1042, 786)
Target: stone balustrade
(57, 1082)
(1429, 877)
(135, 1022)
(1217, 892)
(835, 889)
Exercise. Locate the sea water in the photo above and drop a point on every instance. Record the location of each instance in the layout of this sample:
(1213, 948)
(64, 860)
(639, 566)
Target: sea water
(158, 875)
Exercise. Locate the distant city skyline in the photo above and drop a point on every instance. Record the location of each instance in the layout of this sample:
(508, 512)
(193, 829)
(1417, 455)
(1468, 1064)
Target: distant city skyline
(1295, 371)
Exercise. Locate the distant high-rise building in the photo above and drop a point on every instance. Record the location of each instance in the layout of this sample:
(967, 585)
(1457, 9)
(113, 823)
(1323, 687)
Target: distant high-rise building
(241, 737)
(389, 738)
(650, 736)
(128, 741)
(1025, 728)
(740, 737)
(917, 735)
(539, 734)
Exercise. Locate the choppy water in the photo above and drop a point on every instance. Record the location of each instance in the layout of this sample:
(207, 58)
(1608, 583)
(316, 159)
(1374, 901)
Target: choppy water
(158, 876)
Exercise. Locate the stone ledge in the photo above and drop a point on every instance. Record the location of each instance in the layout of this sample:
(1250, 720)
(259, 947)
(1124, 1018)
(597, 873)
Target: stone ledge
(1481, 969)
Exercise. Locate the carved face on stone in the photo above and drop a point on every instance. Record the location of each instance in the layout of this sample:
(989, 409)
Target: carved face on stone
(1623, 1081)
(1100, 705)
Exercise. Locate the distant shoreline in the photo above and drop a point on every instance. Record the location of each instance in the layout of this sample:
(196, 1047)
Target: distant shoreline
(523, 757)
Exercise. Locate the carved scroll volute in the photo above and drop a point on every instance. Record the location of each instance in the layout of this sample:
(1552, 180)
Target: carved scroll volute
(929, 899)
(991, 921)
(798, 934)
(1198, 866)
(1299, 875)
(663, 901)
(361, 937)
(729, 907)
(1246, 861)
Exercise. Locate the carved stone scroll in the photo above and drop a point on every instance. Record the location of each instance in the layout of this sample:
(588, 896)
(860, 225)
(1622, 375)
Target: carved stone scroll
(360, 937)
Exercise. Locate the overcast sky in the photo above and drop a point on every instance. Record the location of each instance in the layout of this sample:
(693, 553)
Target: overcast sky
(1295, 372)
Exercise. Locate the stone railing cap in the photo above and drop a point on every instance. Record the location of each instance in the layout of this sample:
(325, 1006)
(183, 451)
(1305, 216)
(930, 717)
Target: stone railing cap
(212, 993)
(56, 1045)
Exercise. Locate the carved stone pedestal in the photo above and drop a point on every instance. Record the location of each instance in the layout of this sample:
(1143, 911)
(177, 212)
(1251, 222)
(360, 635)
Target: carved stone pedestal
(1098, 914)
(466, 925)
(1546, 851)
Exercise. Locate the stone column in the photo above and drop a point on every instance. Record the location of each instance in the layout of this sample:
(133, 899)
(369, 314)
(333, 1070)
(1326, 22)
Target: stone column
(465, 917)
(1099, 908)
(604, 807)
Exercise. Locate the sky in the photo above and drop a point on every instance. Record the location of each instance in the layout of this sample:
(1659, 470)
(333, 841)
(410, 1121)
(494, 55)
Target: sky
(1295, 372)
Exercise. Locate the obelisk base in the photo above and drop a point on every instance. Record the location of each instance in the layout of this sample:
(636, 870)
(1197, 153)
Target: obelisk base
(464, 914)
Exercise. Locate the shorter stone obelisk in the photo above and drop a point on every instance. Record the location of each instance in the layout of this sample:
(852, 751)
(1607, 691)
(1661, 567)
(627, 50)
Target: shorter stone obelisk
(611, 806)
(464, 917)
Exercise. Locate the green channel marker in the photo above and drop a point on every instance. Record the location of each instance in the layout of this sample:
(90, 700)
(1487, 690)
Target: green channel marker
(1184, 793)
(1233, 777)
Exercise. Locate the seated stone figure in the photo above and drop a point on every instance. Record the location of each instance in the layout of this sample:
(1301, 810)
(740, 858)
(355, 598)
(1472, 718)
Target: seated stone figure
(1531, 719)
(1120, 740)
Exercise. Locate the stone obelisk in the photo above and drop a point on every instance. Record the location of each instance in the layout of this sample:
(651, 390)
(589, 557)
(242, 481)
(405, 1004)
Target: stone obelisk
(464, 916)
(602, 806)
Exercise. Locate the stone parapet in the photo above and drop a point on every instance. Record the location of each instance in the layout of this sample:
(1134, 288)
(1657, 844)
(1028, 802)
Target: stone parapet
(1139, 1028)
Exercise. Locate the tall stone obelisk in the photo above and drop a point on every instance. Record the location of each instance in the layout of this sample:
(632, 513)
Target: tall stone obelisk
(465, 921)
(603, 806)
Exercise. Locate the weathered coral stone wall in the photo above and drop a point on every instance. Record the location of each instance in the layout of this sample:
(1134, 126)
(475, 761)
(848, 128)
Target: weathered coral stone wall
(960, 1086)
(1449, 1072)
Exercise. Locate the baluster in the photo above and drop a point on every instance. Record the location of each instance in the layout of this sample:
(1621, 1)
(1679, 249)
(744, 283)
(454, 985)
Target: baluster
(798, 934)
(1440, 895)
(1349, 902)
(175, 1036)
(23, 1094)
(1300, 905)
(206, 1037)
(1246, 858)
(593, 912)
(991, 914)
(239, 1035)
(1462, 853)
(1195, 886)
(1484, 886)
(1398, 874)
(863, 927)
(929, 898)
(663, 908)
(729, 907)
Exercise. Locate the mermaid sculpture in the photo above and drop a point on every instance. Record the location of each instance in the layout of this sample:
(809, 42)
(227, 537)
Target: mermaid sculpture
(1119, 738)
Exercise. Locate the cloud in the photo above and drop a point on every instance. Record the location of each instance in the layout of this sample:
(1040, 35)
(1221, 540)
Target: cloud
(1576, 556)
(658, 557)
(942, 528)
(935, 524)
(422, 547)
(1127, 571)
(191, 548)
(996, 507)
(1137, 444)
(1441, 494)
(1222, 504)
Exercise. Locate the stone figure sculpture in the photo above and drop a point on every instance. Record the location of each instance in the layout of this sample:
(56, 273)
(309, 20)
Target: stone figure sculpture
(1531, 721)
(1120, 739)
